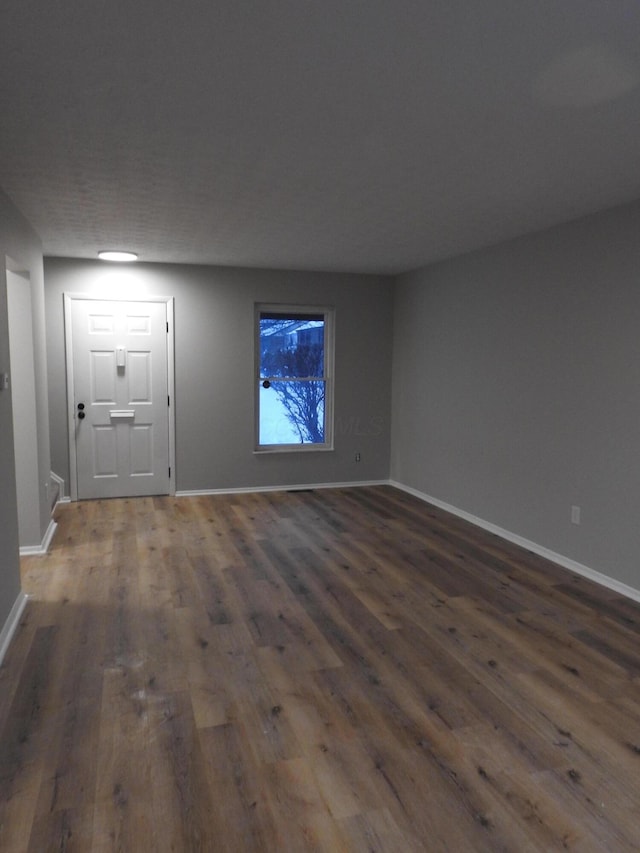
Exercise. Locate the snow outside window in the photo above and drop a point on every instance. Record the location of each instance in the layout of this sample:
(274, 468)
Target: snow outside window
(294, 355)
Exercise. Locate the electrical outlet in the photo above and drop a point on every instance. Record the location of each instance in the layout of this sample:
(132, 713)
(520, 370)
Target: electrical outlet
(575, 515)
(358, 457)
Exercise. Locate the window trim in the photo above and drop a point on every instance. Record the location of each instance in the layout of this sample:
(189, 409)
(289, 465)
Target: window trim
(328, 313)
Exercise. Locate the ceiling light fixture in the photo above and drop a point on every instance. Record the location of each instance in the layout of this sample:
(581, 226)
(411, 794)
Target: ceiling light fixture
(117, 256)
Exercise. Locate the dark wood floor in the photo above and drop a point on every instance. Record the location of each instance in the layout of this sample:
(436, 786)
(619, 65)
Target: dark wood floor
(334, 670)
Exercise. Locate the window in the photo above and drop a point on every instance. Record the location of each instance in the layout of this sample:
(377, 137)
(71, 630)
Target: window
(294, 388)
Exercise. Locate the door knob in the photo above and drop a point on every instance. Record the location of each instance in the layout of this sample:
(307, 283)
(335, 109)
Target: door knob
(80, 406)
(81, 415)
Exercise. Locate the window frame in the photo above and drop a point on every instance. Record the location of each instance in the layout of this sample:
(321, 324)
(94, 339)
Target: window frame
(328, 314)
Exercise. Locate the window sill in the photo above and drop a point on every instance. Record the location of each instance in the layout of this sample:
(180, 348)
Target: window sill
(292, 448)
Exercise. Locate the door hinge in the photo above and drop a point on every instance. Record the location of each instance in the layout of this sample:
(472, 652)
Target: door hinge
(169, 472)
(167, 327)
(168, 400)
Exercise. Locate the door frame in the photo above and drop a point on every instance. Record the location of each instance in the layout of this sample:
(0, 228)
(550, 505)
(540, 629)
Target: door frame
(27, 480)
(69, 299)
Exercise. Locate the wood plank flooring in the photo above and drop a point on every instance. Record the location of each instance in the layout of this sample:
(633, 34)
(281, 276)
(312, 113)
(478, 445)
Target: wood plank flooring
(330, 670)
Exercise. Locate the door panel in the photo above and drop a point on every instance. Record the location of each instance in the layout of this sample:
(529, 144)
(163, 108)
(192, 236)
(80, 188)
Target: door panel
(104, 453)
(140, 389)
(102, 378)
(141, 450)
(120, 380)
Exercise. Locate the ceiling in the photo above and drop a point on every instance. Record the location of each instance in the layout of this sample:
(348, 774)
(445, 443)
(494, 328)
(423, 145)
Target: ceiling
(351, 135)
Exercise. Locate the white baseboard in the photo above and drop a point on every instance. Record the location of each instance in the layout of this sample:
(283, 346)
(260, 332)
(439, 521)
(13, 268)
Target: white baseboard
(293, 488)
(9, 627)
(540, 550)
(43, 547)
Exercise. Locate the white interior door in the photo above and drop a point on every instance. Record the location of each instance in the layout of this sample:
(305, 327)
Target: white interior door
(120, 385)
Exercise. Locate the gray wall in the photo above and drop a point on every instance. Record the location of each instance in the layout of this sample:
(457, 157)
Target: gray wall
(214, 317)
(21, 249)
(516, 388)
